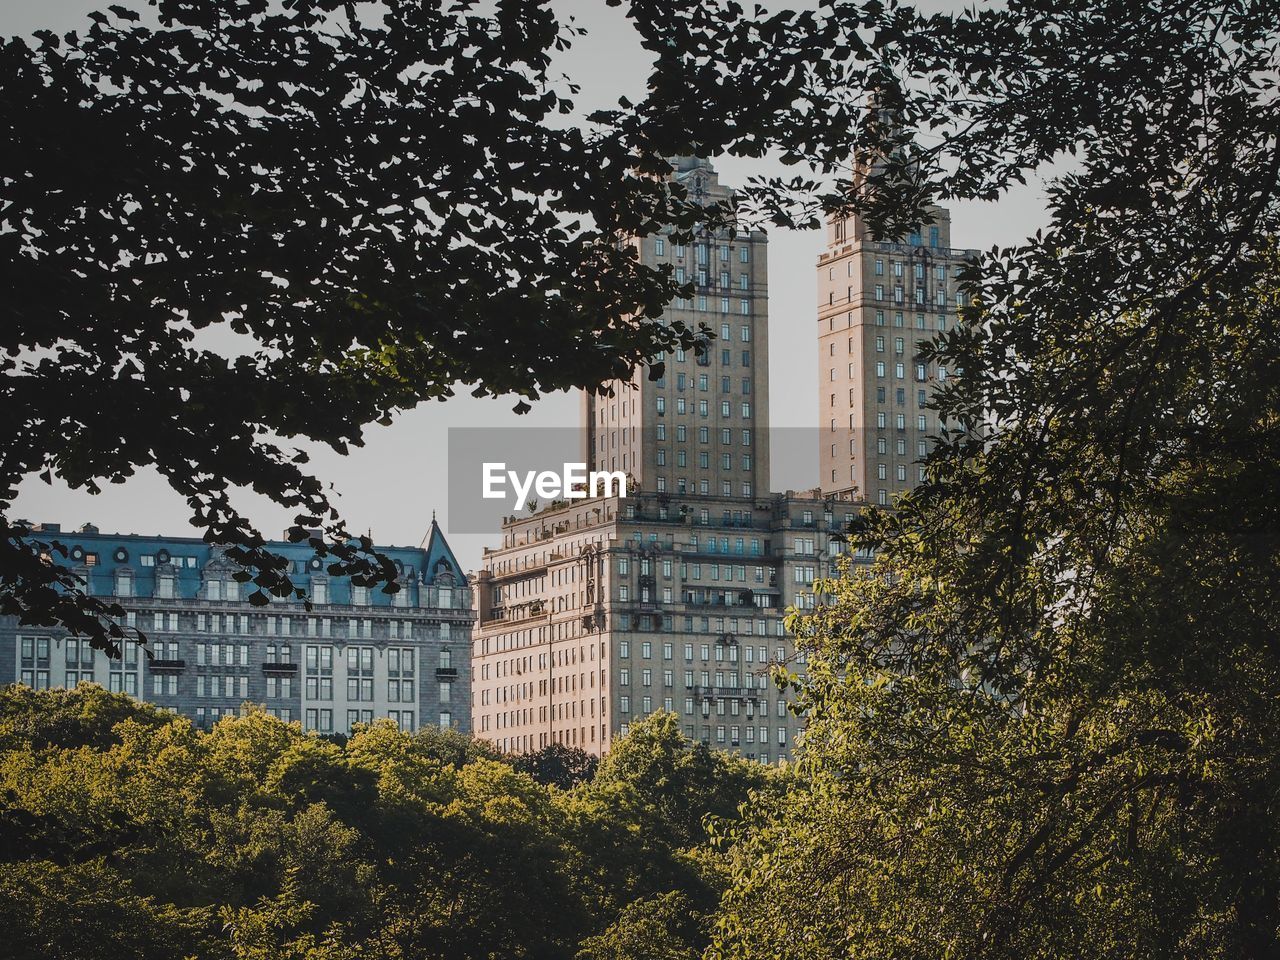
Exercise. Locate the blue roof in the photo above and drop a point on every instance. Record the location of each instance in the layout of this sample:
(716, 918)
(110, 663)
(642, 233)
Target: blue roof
(101, 556)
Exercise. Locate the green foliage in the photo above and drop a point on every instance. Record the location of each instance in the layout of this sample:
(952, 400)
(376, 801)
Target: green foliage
(1045, 723)
(129, 833)
(659, 928)
(296, 221)
(557, 765)
(671, 784)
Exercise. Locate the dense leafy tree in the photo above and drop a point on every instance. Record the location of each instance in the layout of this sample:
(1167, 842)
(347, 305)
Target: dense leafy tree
(674, 784)
(253, 222)
(131, 833)
(658, 928)
(558, 765)
(1044, 724)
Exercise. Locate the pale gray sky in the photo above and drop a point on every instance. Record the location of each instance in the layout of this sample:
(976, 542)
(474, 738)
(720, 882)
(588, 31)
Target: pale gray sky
(392, 485)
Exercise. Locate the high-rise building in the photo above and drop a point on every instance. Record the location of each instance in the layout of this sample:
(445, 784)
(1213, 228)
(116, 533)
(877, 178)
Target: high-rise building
(877, 301)
(357, 655)
(702, 427)
(593, 614)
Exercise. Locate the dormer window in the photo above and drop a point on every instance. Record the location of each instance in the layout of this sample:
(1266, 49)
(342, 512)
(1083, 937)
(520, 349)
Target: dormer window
(165, 586)
(124, 583)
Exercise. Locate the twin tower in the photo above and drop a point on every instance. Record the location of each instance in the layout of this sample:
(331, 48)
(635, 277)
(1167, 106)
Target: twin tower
(703, 428)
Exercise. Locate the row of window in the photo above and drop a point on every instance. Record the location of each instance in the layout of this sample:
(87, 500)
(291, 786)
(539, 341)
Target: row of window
(216, 589)
(704, 381)
(700, 303)
(401, 661)
(702, 251)
(704, 407)
(882, 420)
(703, 678)
(703, 277)
(690, 709)
(899, 296)
(704, 459)
(669, 623)
(34, 651)
(724, 652)
(704, 434)
(703, 487)
(320, 719)
(882, 447)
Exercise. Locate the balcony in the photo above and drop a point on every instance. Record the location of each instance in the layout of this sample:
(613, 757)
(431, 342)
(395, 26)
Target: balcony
(280, 669)
(726, 693)
(447, 673)
(166, 666)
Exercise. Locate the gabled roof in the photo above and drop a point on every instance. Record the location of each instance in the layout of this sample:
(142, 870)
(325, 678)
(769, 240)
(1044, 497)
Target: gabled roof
(439, 556)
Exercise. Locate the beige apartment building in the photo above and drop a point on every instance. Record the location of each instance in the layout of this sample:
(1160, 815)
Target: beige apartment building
(877, 301)
(595, 613)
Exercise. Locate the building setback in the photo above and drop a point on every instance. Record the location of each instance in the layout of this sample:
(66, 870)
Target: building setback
(594, 614)
(357, 655)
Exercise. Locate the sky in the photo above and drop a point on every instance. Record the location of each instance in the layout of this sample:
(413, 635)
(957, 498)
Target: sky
(394, 485)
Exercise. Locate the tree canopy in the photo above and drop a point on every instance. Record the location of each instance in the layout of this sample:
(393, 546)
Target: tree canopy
(251, 223)
(126, 831)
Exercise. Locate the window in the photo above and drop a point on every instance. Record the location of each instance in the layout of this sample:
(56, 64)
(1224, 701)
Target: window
(660, 246)
(744, 254)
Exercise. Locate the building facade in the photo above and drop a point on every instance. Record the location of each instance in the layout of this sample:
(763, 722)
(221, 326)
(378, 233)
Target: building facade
(593, 614)
(357, 655)
(701, 428)
(877, 302)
